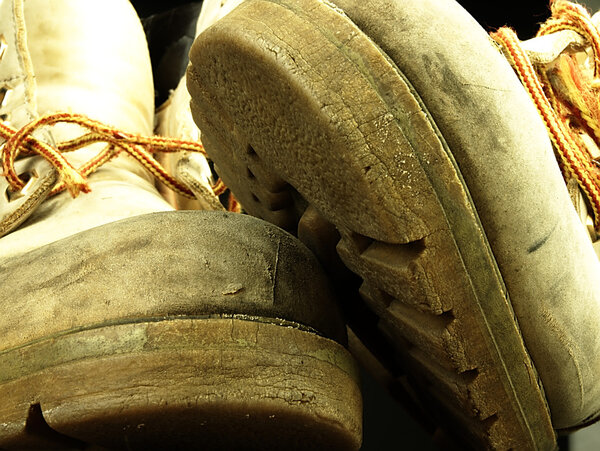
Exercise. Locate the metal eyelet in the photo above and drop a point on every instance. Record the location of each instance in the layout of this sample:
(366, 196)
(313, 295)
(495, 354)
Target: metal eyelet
(30, 179)
(4, 95)
(17, 206)
(3, 46)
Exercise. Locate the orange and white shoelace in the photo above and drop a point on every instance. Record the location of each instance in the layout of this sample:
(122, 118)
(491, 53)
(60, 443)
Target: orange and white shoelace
(74, 180)
(566, 97)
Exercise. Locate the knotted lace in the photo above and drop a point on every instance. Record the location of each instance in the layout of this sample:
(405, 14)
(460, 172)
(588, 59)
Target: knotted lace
(565, 95)
(75, 180)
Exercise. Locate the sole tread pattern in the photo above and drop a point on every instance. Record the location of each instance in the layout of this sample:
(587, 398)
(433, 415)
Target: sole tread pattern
(442, 306)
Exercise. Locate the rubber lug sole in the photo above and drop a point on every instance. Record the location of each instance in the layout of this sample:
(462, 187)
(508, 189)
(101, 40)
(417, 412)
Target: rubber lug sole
(299, 107)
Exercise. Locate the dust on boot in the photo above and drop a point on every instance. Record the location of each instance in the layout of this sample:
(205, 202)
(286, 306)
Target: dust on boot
(397, 133)
(126, 324)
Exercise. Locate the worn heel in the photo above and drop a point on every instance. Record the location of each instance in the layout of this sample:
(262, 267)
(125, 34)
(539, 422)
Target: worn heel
(185, 383)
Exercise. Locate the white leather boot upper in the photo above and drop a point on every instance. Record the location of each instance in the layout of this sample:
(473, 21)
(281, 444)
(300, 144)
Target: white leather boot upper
(88, 57)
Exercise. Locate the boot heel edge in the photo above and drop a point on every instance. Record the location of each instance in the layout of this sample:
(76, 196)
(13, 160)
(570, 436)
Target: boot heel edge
(187, 382)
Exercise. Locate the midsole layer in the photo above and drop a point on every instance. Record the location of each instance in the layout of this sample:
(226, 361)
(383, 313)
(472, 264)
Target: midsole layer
(112, 338)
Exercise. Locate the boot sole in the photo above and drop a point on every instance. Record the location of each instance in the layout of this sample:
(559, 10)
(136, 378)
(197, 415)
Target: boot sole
(309, 123)
(185, 383)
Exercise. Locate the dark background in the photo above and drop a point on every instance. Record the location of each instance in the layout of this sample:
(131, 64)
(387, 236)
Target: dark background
(522, 15)
(386, 425)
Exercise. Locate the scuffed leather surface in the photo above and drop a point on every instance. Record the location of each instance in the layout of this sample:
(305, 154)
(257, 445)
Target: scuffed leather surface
(164, 264)
(504, 154)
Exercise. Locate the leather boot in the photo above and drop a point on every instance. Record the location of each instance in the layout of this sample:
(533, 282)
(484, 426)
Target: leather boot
(126, 324)
(397, 133)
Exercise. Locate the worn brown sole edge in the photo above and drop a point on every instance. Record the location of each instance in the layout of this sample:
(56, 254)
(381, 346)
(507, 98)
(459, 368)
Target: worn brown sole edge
(181, 383)
(263, 96)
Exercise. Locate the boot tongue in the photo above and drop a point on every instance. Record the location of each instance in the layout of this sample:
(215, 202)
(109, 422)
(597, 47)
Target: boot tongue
(82, 67)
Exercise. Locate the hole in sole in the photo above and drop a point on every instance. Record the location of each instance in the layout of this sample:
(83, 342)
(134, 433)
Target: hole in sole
(37, 427)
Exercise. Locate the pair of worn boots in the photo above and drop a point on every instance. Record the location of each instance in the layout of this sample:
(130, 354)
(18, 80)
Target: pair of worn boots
(393, 137)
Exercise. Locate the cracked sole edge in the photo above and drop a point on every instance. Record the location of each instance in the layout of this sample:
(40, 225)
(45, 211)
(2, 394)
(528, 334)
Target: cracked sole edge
(181, 383)
(298, 106)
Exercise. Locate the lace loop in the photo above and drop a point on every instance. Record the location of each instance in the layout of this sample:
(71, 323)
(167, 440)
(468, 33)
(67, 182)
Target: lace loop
(74, 180)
